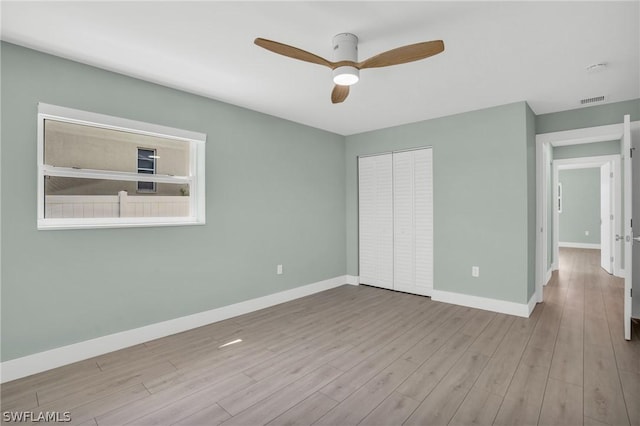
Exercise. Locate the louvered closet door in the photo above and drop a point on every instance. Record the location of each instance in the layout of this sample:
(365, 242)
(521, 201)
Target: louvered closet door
(413, 221)
(376, 220)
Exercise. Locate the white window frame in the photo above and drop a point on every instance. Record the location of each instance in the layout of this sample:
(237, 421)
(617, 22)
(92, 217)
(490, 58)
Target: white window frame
(195, 179)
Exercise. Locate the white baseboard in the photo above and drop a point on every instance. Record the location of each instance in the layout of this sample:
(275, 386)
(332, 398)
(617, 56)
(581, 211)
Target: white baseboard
(547, 276)
(353, 279)
(494, 305)
(42, 361)
(532, 304)
(579, 245)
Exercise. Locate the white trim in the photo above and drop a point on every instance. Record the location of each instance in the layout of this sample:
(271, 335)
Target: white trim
(494, 305)
(581, 136)
(115, 222)
(531, 305)
(627, 146)
(567, 244)
(42, 361)
(542, 154)
(585, 162)
(418, 148)
(77, 116)
(111, 175)
(353, 280)
(548, 274)
(195, 180)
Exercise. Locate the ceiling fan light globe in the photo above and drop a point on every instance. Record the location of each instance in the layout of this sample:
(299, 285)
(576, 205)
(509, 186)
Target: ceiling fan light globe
(346, 75)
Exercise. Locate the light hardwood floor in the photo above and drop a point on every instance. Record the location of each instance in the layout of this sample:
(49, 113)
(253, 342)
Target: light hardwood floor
(361, 355)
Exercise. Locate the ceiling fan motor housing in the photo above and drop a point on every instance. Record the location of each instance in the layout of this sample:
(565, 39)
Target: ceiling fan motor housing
(345, 48)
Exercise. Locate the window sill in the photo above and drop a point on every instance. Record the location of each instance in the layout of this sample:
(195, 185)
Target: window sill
(125, 222)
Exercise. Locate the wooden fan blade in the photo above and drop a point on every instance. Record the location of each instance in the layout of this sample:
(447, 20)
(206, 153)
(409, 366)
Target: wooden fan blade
(404, 54)
(339, 93)
(292, 52)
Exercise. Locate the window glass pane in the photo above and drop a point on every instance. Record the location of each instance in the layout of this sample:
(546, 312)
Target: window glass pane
(146, 160)
(99, 198)
(146, 187)
(87, 147)
(145, 164)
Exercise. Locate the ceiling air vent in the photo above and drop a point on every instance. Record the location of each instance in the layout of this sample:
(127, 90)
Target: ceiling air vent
(593, 100)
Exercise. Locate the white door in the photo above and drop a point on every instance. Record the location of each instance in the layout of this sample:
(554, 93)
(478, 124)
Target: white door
(413, 221)
(628, 231)
(375, 188)
(605, 218)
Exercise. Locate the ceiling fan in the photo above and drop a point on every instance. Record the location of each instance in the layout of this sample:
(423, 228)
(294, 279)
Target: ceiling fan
(346, 68)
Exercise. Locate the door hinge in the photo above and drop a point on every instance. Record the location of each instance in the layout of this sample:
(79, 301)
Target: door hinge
(611, 175)
(611, 217)
(612, 258)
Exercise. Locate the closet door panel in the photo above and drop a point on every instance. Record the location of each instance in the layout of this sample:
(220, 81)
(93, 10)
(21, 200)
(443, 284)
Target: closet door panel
(376, 220)
(423, 221)
(413, 221)
(403, 222)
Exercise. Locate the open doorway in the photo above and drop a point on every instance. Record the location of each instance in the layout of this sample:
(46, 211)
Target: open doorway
(546, 244)
(586, 212)
(547, 257)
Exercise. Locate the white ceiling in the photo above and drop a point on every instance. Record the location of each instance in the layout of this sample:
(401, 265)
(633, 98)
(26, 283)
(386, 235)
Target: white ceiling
(495, 53)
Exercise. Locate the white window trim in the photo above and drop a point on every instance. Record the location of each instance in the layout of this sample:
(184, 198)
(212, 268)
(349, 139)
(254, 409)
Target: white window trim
(196, 178)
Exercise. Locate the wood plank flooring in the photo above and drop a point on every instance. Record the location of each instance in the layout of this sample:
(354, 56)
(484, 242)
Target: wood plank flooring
(361, 355)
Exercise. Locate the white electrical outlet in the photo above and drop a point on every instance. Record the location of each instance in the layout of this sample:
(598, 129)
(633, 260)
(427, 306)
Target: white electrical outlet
(586, 233)
(279, 270)
(475, 271)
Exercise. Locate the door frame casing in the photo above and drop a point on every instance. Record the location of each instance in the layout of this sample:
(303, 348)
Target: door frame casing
(543, 167)
(627, 153)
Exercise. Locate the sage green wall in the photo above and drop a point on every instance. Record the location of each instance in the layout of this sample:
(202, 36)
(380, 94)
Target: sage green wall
(275, 194)
(586, 150)
(599, 115)
(481, 197)
(580, 206)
